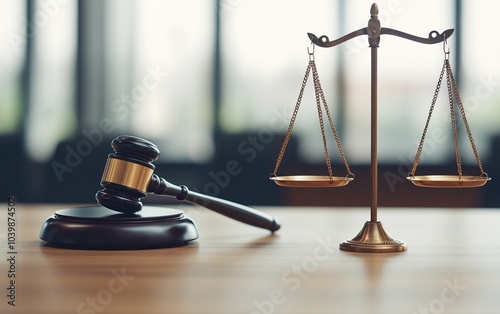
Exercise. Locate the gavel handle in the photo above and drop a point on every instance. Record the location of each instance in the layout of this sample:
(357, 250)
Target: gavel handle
(235, 211)
(227, 208)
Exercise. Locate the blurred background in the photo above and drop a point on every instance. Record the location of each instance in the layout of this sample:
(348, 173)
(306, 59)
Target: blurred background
(213, 83)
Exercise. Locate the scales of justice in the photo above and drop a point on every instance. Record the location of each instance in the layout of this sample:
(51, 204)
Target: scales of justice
(373, 237)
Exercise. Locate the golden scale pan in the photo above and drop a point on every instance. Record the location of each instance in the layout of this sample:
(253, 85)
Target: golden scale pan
(448, 181)
(431, 181)
(311, 181)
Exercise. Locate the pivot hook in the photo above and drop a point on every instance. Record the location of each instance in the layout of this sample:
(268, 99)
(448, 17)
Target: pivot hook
(311, 54)
(446, 47)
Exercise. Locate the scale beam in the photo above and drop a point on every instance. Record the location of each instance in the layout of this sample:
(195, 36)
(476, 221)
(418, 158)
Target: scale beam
(374, 30)
(434, 37)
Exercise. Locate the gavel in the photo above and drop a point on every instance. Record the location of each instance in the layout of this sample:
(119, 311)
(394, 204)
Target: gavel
(129, 176)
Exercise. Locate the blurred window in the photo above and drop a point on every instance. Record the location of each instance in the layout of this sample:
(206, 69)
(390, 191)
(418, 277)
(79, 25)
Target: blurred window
(150, 69)
(12, 50)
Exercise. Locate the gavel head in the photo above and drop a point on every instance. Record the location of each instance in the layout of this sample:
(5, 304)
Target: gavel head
(127, 174)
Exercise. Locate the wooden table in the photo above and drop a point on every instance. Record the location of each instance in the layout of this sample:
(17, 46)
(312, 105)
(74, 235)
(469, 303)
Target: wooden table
(452, 266)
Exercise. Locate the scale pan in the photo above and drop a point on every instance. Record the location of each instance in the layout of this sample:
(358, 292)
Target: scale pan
(448, 181)
(311, 181)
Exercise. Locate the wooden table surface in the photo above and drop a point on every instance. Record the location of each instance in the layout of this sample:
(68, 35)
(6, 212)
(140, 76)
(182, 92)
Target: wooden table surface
(452, 266)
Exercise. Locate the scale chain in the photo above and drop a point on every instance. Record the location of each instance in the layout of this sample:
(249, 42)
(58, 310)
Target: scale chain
(292, 121)
(318, 92)
(433, 104)
(453, 94)
(332, 125)
(453, 118)
(464, 118)
(320, 101)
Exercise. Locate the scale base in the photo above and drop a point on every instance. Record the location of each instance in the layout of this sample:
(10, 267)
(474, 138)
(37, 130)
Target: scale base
(96, 227)
(373, 239)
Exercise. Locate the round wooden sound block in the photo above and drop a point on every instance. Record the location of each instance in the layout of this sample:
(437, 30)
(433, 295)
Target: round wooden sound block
(96, 227)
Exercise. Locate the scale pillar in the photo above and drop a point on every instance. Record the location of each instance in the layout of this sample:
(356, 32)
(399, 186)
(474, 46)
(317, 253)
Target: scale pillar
(374, 40)
(373, 238)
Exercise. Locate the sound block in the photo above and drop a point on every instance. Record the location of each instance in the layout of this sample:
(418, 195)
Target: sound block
(97, 227)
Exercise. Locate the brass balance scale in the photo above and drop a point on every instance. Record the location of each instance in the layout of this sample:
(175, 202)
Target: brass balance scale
(373, 237)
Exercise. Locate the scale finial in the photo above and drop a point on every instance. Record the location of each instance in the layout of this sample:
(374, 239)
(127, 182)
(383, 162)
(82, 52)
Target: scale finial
(374, 10)
(374, 29)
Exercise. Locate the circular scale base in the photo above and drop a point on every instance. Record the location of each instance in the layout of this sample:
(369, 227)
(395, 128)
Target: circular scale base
(373, 239)
(97, 227)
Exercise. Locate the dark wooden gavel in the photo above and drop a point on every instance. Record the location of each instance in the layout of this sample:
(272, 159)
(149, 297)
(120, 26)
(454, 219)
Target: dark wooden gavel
(128, 177)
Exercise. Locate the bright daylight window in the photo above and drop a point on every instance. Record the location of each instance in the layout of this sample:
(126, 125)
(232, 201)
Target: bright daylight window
(51, 115)
(159, 68)
(481, 70)
(264, 51)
